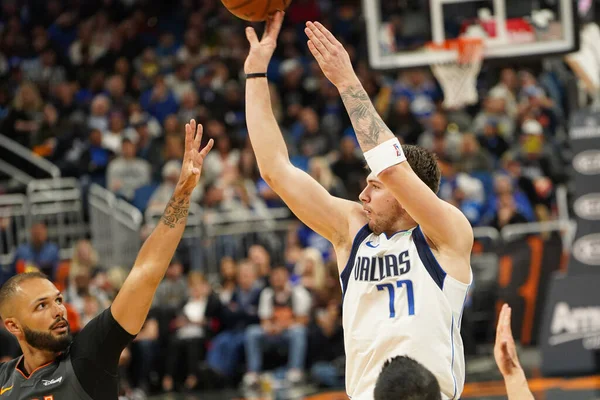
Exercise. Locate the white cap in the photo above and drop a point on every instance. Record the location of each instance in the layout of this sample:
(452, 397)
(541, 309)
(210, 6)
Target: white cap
(532, 127)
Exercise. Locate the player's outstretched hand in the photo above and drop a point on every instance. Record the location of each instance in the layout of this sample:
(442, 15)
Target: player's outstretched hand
(261, 51)
(330, 54)
(193, 157)
(505, 350)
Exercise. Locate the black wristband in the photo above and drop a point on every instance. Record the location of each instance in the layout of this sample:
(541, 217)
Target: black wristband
(256, 75)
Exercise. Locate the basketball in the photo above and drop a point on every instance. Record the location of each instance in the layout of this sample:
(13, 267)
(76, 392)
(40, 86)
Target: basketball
(255, 10)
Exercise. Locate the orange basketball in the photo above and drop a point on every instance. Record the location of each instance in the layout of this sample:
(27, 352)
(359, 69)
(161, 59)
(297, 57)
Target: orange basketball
(255, 10)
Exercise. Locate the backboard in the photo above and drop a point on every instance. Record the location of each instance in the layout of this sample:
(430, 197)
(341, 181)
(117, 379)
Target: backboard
(399, 30)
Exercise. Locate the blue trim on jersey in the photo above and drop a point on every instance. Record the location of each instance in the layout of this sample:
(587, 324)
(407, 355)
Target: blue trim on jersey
(436, 272)
(452, 363)
(361, 235)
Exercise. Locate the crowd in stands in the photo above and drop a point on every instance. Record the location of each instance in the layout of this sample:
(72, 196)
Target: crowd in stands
(103, 88)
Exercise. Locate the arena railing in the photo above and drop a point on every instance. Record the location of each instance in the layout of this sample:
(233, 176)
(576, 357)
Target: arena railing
(14, 215)
(59, 204)
(115, 227)
(17, 150)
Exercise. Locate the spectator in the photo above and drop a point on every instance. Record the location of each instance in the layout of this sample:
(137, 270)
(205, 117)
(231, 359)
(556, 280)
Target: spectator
(95, 158)
(319, 169)
(25, 117)
(180, 82)
(171, 294)
(439, 139)
(99, 110)
(39, 254)
(350, 168)
(284, 314)
(260, 257)
(228, 279)
(310, 270)
(127, 173)
(113, 137)
(403, 122)
(492, 141)
(159, 100)
(163, 193)
(239, 312)
(472, 157)
(192, 329)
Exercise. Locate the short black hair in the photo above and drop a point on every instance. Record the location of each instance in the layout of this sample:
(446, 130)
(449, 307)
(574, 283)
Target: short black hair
(11, 286)
(406, 379)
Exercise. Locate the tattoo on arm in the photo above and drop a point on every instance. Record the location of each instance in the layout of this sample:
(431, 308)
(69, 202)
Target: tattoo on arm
(176, 211)
(370, 128)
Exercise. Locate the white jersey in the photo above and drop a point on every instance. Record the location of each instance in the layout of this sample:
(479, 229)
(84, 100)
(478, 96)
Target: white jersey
(397, 300)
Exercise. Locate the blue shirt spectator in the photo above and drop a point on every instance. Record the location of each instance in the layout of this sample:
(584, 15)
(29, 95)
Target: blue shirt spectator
(38, 254)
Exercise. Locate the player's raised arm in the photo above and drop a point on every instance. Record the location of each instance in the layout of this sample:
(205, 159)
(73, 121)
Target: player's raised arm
(327, 215)
(130, 307)
(442, 223)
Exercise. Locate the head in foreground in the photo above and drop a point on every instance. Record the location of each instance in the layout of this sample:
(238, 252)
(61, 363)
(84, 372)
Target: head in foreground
(32, 309)
(383, 211)
(404, 378)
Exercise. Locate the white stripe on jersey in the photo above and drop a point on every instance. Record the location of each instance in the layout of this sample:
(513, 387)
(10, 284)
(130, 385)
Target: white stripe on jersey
(399, 301)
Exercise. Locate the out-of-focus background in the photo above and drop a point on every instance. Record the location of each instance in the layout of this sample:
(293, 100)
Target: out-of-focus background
(94, 95)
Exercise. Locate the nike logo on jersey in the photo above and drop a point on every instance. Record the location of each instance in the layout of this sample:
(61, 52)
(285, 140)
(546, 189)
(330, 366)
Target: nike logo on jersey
(4, 390)
(374, 269)
(52, 382)
(371, 245)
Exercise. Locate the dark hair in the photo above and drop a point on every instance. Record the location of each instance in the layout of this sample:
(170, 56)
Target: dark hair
(425, 165)
(404, 378)
(11, 286)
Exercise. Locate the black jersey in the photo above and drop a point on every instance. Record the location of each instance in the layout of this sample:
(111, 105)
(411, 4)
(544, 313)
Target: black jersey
(88, 370)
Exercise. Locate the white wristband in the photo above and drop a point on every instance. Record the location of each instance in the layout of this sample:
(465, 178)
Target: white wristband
(385, 155)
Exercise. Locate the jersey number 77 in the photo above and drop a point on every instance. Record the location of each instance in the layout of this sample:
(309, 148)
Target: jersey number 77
(392, 292)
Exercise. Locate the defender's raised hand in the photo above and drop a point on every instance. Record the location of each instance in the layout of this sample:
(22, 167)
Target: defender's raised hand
(505, 350)
(330, 54)
(261, 51)
(193, 157)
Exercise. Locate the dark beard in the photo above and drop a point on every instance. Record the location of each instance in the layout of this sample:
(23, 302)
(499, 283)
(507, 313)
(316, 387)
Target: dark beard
(45, 341)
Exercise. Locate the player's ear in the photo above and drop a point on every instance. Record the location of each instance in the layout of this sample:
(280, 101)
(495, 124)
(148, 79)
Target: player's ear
(12, 326)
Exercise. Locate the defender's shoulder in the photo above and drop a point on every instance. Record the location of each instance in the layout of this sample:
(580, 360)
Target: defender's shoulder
(7, 368)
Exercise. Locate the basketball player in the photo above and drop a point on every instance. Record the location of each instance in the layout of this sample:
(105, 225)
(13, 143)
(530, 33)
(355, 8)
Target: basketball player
(55, 367)
(403, 254)
(404, 378)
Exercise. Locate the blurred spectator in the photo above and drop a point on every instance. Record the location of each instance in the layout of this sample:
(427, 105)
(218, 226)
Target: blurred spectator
(350, 168)
(179, 82)
(319, 169)
(159, 100)
(173, 290)
(127, 173)
(95, 158)
(403, 122)
(228, 279)
(495, 110)
(39, 254)
(473, 158)
(99, 110)
(240, 311)
(439, 139)
(192, 329)
(260, 257)
(507, 212)
(492, 141)
(536, 156)
(113, 137)
(310, 270)
(418, 86)
(25, 117)
(220, 159)
(284, 314)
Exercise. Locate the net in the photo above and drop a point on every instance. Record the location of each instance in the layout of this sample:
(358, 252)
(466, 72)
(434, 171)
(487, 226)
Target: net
(458, 77)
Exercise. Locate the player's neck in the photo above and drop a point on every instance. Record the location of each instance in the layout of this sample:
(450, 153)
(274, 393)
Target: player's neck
(403, 224)
(33, 359)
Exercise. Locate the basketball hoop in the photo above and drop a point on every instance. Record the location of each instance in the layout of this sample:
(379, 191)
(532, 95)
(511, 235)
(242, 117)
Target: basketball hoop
(458, 76)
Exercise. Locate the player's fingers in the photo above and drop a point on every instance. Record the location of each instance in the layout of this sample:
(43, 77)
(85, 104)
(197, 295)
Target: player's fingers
(507, 322)
(332, 39)
(207, 148)
(317, 34)
(500, 326)
(274, 26)
(315, 52)
(188, 136)
(198, 138)
(251, 35)
(317, 43)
